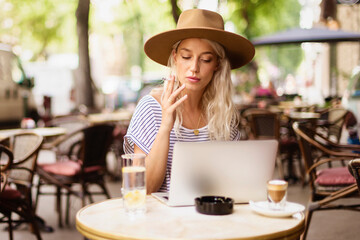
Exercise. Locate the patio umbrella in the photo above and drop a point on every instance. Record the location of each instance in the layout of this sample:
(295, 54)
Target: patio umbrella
(299, 35)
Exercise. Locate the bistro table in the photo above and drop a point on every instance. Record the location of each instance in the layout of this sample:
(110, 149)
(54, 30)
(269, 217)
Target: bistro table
(43, 131)
(107, 220)
(104, 117)
(301, 116)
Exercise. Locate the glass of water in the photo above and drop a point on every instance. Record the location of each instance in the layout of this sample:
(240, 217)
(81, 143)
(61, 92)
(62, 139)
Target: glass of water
(133, 183)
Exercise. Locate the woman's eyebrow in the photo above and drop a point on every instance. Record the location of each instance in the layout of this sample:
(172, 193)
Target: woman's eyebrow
(185, 49)
(188, 50)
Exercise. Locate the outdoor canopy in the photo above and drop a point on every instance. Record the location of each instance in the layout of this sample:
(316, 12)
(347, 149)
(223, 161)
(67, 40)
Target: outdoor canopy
(299, 35)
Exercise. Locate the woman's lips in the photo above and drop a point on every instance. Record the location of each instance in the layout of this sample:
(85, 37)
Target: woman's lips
(193, 79)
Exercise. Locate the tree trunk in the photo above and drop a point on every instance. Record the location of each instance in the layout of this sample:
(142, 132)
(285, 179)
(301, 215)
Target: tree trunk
(328, 10)
(175, 10)
(84, 90)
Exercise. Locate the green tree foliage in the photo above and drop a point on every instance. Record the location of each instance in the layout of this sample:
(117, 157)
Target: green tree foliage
(49, 26)
(135, 21)
(255, 18)
(39, 25)
(259, 17)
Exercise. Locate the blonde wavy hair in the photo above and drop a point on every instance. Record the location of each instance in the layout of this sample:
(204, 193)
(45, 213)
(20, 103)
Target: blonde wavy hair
(217, 104)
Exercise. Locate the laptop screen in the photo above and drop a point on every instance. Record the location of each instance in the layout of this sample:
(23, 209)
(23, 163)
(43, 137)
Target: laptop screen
(236, 169)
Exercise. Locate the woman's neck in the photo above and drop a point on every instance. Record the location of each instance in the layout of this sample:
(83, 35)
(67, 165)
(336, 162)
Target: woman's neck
(193, 117)
(193, 102)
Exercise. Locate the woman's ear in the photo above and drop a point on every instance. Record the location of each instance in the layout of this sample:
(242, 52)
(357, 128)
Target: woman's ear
(174, 56)
(217, 66)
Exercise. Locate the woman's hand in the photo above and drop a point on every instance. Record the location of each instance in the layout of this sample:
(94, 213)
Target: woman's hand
(169, 103)
(156, 160)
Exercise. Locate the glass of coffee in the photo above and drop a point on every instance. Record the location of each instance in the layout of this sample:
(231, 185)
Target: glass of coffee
(133, 183)
(276, 193)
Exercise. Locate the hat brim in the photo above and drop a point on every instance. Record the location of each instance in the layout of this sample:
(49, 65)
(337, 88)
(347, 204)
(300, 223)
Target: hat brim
(239, 50)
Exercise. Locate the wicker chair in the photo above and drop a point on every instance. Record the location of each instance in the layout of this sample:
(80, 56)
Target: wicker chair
(72, 123)
(335, 120)
(85, 165)
(265, 124)
(327, 184)
(354, 168)
(16, 196)
(246, 121)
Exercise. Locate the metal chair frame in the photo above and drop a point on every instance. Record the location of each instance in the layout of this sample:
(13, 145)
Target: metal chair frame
(354, 168)
(22, 152)
(95, 137)
(322, 198)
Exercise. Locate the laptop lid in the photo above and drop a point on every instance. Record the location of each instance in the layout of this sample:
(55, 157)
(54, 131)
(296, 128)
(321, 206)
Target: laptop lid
(236, 169)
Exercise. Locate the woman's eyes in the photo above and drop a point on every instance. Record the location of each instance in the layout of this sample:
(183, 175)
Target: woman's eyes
(207, 60)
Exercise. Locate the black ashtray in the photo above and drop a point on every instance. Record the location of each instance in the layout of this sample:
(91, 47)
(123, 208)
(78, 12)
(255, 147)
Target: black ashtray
(214, 205)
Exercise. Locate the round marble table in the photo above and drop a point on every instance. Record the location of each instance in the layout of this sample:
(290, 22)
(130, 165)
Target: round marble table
(107, 220)
(107, 117)
(303, 115)
(43, 131)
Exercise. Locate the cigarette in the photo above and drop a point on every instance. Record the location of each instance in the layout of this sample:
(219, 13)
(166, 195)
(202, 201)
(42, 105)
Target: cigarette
(167, 79)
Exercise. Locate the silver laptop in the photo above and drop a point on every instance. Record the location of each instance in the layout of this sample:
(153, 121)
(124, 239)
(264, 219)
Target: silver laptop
(236, 169)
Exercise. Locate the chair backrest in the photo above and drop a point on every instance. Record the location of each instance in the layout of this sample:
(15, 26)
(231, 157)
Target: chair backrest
(6, 159)
(25, 148)
(354, 168)
(250, 111)
(336, 118)
(307, 147)
(96, 144)
(263, 124)
(71, 123)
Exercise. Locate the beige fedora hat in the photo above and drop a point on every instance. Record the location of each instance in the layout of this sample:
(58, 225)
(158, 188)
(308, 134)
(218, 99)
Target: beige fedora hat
(199, 23)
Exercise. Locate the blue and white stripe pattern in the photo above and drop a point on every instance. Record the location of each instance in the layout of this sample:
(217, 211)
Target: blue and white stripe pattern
(145, 124)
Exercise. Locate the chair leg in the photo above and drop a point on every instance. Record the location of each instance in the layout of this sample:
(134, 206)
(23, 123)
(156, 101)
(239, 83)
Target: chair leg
(301, 168)
(307, 223)
(37, 194)
(105, 191)
(58, 206)
(10, 230)
(91, 199)
(67, 208)
(280, 167)
(34, 226)
(84, 194)
(36, 231)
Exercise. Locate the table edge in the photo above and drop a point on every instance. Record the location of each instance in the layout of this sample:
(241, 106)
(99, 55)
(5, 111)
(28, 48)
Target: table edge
(293, 233)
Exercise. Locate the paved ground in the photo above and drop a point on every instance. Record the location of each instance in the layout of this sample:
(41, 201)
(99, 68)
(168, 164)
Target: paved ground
(325, 225)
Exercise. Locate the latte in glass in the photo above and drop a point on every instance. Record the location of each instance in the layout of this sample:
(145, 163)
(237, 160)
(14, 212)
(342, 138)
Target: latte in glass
(276, 192)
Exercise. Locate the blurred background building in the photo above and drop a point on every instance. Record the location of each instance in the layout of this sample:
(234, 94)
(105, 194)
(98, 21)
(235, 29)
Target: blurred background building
(43, 35)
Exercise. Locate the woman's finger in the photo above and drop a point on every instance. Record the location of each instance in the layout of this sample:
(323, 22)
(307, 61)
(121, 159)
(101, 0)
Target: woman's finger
(176, 93)
(177, 103)
(169, 87)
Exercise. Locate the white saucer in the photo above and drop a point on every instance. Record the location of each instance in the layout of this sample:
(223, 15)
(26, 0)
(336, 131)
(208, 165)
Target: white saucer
(289, 209)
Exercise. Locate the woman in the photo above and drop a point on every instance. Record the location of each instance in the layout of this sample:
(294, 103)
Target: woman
(195, 103)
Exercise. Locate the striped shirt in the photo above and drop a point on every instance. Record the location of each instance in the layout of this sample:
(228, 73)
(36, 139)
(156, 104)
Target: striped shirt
(145, 124)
